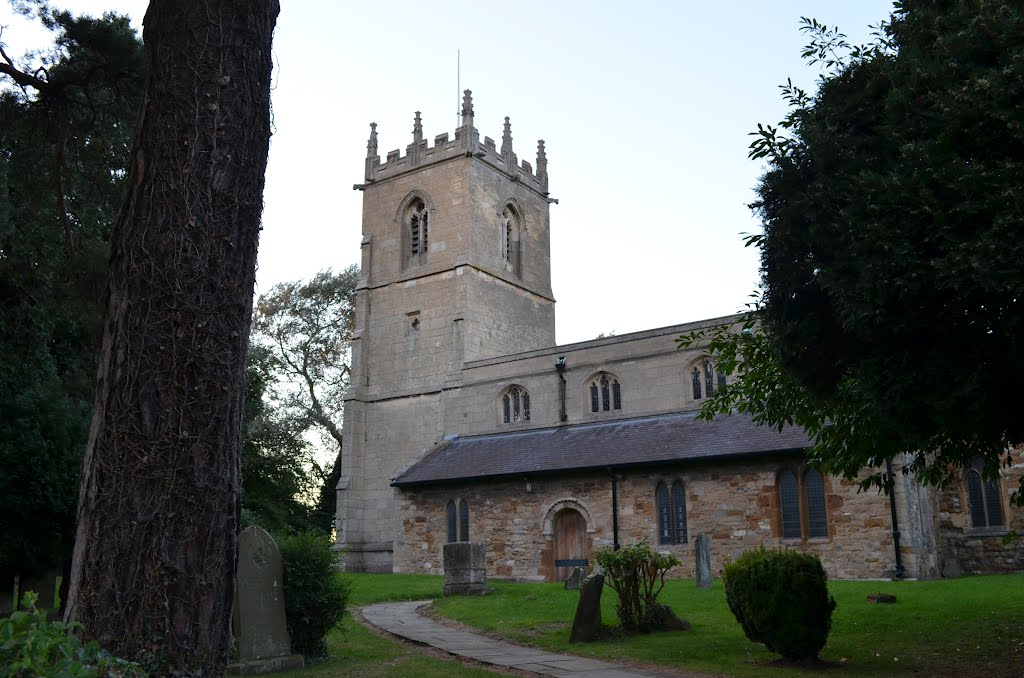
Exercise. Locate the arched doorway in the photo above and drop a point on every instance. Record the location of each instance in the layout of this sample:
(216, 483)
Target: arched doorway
(570, 543)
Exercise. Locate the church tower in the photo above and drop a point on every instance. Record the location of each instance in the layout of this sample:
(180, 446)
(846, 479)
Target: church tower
(455, 267)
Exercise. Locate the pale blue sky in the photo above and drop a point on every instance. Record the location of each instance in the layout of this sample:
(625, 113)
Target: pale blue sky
(644, 106)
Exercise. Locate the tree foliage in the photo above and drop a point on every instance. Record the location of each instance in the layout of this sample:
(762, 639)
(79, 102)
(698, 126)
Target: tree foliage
(637, 575)
(892, 316)
(65, 140)
(303, 330)
(276, 459)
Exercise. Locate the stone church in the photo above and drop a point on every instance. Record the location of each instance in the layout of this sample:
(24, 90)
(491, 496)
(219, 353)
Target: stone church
(465, 422)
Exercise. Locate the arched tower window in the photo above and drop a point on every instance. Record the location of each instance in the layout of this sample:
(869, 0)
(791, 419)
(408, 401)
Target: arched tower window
(515, 405)
(605, 393)
(511, 239)
(417, 223)
(983, 497)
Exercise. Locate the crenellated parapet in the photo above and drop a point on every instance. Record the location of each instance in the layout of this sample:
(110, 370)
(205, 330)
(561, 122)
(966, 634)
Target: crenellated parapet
(466, 142)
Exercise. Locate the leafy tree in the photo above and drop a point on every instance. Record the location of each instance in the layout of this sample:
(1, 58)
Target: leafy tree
(304, 330)
(64, 143)
(152, 574)
(637, 574)
(892, 315)
(276, 458)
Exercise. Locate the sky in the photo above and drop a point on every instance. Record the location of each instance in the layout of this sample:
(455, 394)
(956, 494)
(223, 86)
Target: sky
(645, 108)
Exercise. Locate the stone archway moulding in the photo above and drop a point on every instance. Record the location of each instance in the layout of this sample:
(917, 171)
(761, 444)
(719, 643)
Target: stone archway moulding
(548, 526)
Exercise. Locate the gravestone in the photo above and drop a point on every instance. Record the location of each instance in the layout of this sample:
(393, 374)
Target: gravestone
(465, 569)
(667, 620)
(259, 624)
(881, 598)
(587, 622)
(575, 579)
(703, 551)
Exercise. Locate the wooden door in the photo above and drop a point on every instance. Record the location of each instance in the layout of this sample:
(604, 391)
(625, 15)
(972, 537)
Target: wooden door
(570, 543)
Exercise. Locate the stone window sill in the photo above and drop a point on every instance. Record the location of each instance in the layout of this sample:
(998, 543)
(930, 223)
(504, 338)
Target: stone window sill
(986, 531)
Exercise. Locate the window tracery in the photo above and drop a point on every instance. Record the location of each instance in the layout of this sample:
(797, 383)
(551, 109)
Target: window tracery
(605, 393)
(983, 497)
(515, 405)
(671, 508)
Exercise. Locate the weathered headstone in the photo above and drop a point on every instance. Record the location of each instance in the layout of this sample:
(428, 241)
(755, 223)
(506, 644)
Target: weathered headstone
(881, 598)
(587, 622)
(260, 628)
(703, 551)
(667, 620)
(575, 579)
(465, 569)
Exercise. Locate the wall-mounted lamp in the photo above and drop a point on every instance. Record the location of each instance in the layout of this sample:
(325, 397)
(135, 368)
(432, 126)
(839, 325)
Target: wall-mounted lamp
(529, 487)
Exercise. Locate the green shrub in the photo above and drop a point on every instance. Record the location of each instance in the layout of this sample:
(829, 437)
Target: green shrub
(30, 646)
(637, 574)
(781, 599)
(314, 591)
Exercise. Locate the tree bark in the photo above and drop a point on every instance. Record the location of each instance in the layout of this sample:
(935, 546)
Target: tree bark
(153, 570)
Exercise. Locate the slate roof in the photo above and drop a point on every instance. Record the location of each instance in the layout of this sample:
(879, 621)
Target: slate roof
(620, 443)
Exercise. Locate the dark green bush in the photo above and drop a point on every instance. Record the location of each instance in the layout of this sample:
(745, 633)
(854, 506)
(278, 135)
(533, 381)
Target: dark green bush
(314, 591)
(31, 646)
(781, 599)
(637, 574)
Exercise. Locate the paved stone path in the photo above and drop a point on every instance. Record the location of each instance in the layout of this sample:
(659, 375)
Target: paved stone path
(404, 619)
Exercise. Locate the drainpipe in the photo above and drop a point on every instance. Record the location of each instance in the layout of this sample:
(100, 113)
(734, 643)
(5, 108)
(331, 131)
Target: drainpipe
(895, 523)
(560, 366)
(615, 510)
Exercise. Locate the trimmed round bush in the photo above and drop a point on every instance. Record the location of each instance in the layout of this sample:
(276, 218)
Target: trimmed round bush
(781, 599)
(314, 591)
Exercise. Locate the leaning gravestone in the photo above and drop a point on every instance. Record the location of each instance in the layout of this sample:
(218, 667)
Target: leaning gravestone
(575, 579)
(465, 569)
(588, 611)
(259, 624)
(703, 551)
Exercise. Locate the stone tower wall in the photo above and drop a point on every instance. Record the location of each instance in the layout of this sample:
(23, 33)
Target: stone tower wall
(420, 316)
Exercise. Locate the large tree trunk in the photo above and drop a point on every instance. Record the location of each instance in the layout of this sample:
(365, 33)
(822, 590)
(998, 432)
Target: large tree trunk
(153, 571)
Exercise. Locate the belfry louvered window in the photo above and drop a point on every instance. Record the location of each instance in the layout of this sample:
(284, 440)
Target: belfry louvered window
(605, 394)
(984, 498)
(511, 237)
(515, 405)
(418, 224)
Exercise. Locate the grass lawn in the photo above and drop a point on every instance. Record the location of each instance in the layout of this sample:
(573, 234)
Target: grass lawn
(965, 627)
(950, 628)
(356, 652)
